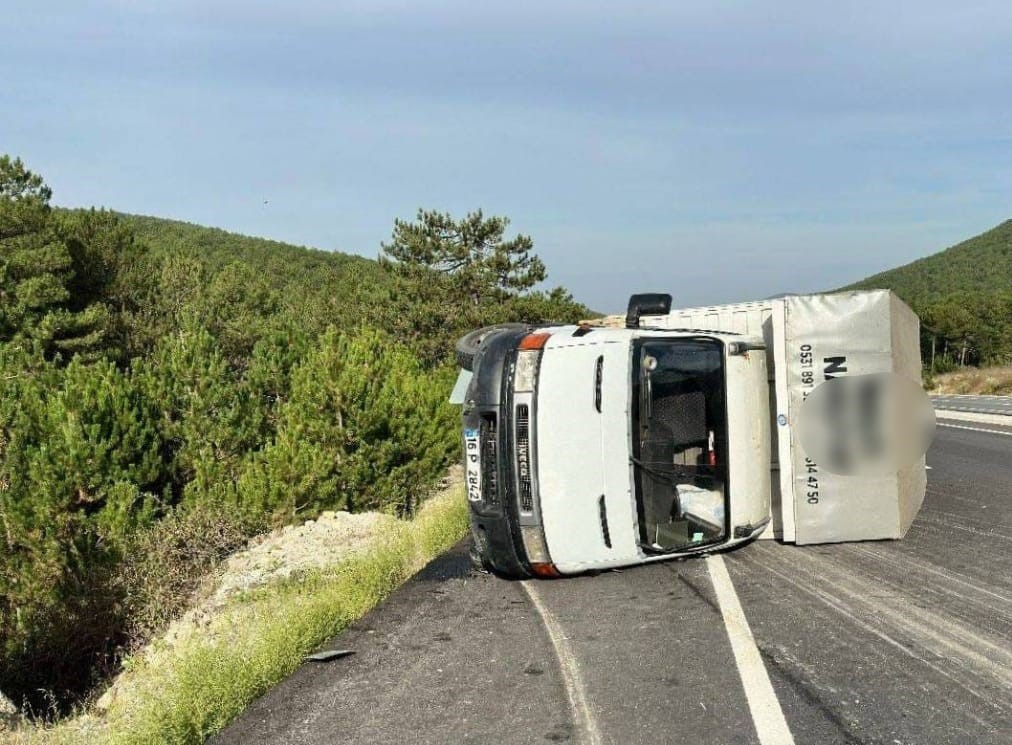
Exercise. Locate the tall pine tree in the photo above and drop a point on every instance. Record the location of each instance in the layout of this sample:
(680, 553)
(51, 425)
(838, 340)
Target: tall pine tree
(34, 263)
(36, 271)
(455, 275)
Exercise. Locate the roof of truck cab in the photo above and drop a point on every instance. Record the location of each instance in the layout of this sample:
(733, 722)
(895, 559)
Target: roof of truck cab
(562, 334)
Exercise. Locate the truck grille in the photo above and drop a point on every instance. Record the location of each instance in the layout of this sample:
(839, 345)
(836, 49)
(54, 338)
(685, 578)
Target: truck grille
(489, 461)
(523, 446)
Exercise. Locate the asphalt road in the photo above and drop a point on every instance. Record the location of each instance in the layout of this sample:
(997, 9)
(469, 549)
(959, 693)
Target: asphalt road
(895, 642)
(974, 404)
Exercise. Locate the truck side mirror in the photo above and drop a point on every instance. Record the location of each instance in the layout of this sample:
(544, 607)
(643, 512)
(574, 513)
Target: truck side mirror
(646, 304)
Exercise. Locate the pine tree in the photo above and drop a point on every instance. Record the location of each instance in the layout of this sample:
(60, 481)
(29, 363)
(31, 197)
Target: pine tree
(37, 273)
(455, 275)
(364, 427)
(482, 265)
(34, 263)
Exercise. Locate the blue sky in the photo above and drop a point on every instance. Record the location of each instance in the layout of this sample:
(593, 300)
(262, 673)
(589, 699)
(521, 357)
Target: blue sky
(715, 150)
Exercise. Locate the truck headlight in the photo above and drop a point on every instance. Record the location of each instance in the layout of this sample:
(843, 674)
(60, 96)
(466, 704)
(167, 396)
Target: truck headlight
(526, 370)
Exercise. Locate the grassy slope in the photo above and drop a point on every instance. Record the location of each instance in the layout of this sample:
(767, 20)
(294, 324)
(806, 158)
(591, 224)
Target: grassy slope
(260, 640)
(982, 264)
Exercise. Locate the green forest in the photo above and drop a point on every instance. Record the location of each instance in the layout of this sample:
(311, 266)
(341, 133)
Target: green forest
(963, 296)
(169, 390)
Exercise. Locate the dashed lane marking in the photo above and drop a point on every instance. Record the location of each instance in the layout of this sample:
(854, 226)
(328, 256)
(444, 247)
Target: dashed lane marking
(768, 717)
(583, 717)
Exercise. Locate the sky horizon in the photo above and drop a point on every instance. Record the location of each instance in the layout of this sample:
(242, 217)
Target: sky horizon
(718, 151)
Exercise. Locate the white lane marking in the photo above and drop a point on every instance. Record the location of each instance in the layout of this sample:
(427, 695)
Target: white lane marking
(970, 395)
(770, 725)
(975, 417)
(975, 429)
(968, 411)
(583, 718)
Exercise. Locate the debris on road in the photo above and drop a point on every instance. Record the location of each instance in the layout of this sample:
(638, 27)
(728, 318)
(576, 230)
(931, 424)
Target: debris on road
(329, 654)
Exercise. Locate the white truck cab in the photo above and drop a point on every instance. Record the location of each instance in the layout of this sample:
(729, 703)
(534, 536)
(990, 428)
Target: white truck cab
(588, 447)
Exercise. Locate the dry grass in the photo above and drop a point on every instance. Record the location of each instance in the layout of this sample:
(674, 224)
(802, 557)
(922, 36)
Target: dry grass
(987, 381)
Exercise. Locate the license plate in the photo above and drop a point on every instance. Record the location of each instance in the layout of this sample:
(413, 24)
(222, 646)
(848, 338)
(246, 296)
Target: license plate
(472, 464)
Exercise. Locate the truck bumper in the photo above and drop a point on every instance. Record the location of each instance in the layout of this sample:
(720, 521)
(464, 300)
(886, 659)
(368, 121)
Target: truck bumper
(495, 517)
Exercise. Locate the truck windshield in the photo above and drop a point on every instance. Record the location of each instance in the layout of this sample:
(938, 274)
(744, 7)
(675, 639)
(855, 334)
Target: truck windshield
(679, 442)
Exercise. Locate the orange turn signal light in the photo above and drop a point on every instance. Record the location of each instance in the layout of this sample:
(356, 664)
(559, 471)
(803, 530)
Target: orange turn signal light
(534, 341)
(545, 570)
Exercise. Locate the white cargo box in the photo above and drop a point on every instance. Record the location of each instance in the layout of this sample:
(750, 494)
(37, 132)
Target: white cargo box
(810, 339)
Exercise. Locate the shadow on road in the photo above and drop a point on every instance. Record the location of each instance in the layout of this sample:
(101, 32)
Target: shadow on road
(454, 564)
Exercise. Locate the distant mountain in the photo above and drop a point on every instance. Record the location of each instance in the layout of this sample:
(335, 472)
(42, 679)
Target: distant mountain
(982, 264)
(963, 296)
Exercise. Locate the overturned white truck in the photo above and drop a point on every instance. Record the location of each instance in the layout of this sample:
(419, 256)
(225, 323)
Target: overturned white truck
(588, 447)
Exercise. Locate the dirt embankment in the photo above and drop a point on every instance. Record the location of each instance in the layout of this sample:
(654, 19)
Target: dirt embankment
(982, 381)
(281, 554)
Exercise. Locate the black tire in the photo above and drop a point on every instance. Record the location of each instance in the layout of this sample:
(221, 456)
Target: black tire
(467, 345)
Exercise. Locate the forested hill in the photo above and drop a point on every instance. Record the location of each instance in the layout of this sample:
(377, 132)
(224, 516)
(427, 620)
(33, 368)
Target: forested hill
(220, 247)
(418, 296)
(328, 285)
(980, 264)
(963, 296)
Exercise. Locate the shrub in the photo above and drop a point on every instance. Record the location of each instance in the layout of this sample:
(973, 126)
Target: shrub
(79, 453)
(204, 417)
(365, 427)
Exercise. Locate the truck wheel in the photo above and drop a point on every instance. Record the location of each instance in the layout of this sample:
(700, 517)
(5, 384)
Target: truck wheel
(467, 345)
